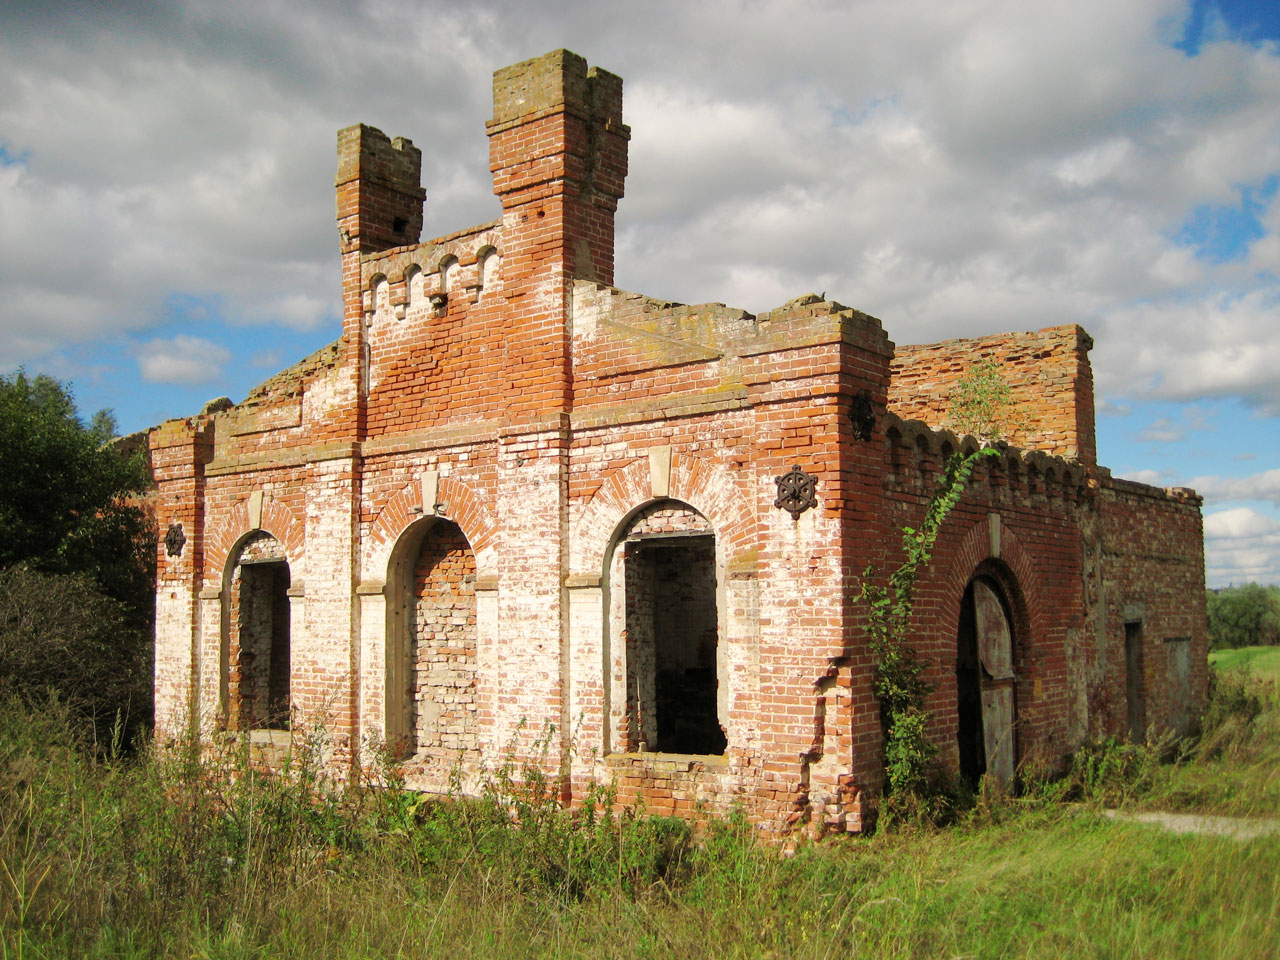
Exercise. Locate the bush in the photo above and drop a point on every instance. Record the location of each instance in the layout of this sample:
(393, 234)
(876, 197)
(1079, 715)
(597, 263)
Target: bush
(77, 560)
(1113, 771)
(62, 638)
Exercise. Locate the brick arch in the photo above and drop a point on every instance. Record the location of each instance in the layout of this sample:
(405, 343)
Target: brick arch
(466, 509)
(1019, 580)
(225, 533)
(703, 485)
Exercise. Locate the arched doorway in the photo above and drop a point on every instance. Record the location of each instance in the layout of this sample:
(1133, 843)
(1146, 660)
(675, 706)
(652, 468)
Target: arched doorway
(257, 664)
(431, 642)
(664, 620)
(985, 684)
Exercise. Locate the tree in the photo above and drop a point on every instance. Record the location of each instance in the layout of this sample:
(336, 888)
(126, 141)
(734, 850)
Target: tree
(1243, 616)
(67, 500)
(72, 529)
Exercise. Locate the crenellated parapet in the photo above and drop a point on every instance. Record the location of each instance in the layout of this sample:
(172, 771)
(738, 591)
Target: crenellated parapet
(917, 453)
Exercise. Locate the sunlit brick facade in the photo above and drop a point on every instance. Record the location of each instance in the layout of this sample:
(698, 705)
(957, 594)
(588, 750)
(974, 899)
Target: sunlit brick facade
(514, 508)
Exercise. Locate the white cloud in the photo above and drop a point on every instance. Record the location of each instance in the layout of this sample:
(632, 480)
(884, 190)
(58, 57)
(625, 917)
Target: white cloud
(1106, 407)
(299, 311)
(1220, 346)
(182, 360)
(1258, 486)
(1162, 430)
(1088, 167)
(953, 169)
(1238, 523)
(1241, 545)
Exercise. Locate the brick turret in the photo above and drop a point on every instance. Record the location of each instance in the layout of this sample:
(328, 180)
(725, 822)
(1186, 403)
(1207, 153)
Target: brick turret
(379, 190)
(558, 154)
(379, 206)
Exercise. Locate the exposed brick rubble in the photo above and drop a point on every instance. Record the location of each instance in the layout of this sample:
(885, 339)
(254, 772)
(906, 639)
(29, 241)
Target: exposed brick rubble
(516, 508)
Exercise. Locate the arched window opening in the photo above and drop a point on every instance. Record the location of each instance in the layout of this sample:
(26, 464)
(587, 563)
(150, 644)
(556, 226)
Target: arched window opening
(258, 643)
(431, 656)
(985, 684)
(665, 565)
(922, 456)
(893, 437)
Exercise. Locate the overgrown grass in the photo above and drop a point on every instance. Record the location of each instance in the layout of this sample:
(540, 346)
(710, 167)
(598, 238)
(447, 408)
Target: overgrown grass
(1232, 768)
(167, 856)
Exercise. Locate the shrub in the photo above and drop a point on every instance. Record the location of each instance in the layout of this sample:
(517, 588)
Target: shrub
(77, 555)
(61, 637)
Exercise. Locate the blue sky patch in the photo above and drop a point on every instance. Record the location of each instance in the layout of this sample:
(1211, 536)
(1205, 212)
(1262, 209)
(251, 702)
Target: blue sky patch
(1222, 232)
(108, 372)
(1185, 440)
(1250, 21)
(8, 159)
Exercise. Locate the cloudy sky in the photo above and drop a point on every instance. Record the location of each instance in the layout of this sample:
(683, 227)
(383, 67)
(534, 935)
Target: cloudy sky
(954, 167)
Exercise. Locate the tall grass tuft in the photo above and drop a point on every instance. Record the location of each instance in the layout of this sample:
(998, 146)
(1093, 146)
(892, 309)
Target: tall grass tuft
(189, 853)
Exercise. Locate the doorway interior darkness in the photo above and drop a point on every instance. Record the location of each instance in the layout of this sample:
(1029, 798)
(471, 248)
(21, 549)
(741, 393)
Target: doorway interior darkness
(260, 655)
(672, 627)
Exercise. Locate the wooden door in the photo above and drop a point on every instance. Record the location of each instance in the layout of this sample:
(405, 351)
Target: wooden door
(995, 652)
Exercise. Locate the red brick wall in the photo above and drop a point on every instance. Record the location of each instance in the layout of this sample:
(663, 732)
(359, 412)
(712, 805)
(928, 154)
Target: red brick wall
(1048, 373)
(1152, 571)
(1035, 555)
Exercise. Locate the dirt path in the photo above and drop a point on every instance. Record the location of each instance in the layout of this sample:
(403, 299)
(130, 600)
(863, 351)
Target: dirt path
(1237, 828)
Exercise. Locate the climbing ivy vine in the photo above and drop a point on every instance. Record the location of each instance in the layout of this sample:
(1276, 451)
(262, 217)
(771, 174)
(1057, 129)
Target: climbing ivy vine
(983, 406)
(899, 680)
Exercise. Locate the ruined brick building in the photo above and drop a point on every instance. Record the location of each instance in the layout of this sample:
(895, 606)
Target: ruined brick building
(513, 501)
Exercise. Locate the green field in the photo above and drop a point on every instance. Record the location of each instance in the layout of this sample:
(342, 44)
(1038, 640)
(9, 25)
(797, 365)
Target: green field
(1259, 661)
(156, 858)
